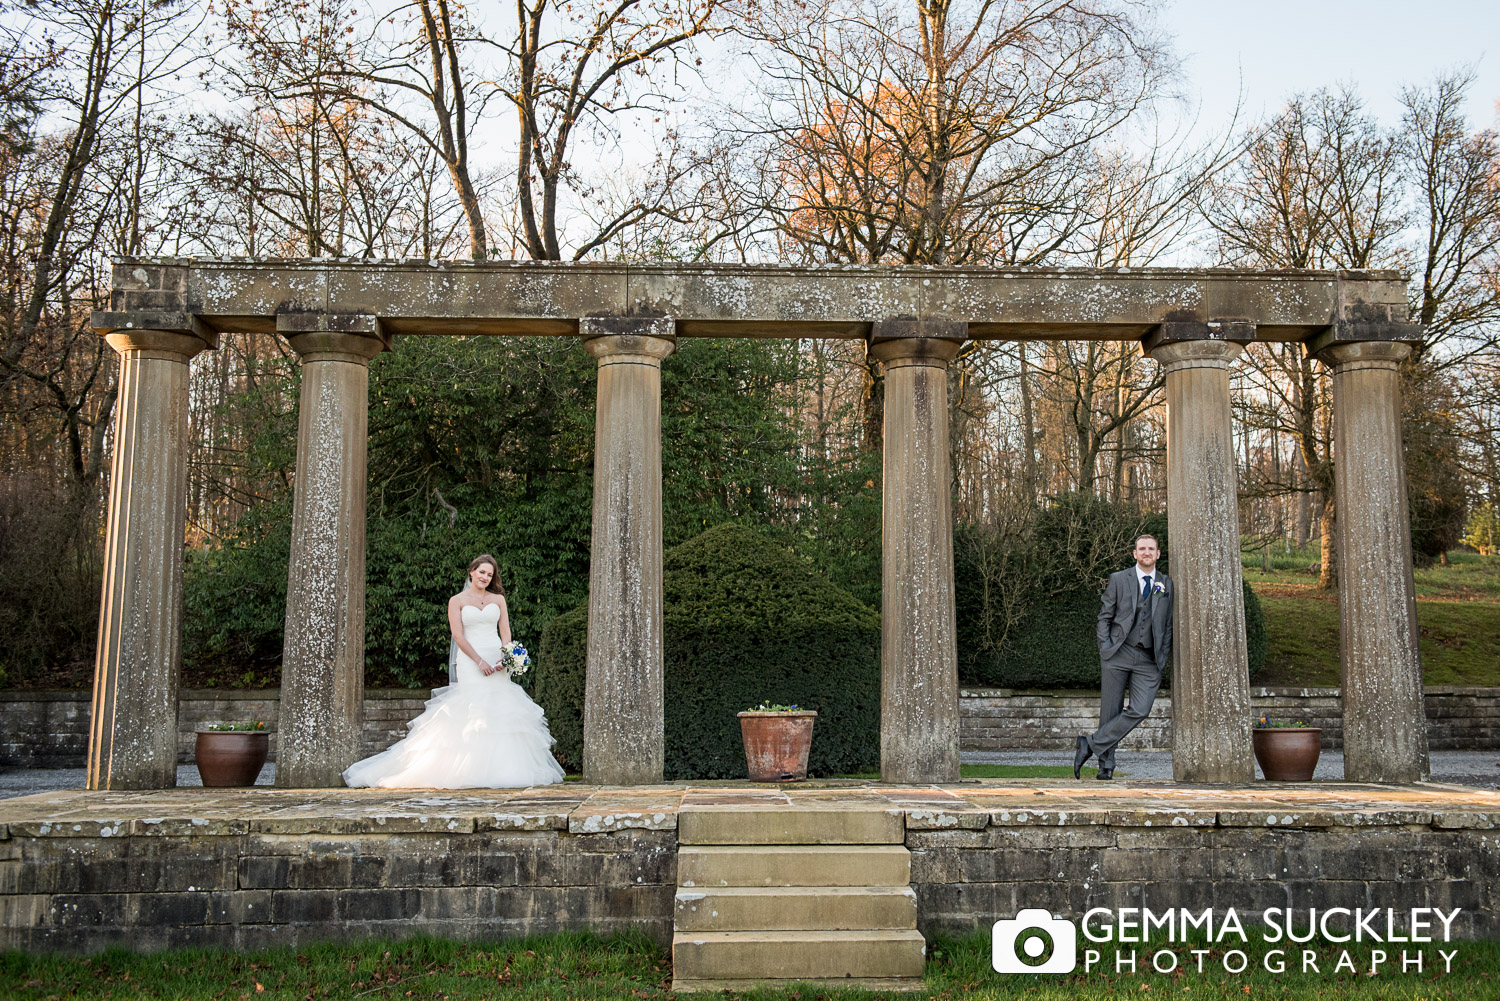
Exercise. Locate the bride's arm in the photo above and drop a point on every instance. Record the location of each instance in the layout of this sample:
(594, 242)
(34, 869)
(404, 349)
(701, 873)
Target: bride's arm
(504, 621)
(456, 627)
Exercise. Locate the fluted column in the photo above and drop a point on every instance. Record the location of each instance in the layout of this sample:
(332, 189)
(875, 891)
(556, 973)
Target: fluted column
(323, 652)
(1210, 672)
(918, 634)
(133, 729)
(1385, 724)
(623, 716)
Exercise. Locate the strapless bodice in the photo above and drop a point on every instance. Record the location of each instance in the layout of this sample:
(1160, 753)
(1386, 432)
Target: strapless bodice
(490, 612)
(482, 630)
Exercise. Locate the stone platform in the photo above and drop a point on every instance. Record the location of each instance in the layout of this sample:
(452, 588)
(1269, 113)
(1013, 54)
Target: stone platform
(80, 871)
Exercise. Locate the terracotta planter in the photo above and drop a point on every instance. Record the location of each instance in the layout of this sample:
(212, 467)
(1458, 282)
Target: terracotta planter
(776, 744)
(231, 757)
(1287, 753)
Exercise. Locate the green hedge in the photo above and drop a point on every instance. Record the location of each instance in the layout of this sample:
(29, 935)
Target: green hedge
(1028, 596)
(1053, 646)
(745, 621)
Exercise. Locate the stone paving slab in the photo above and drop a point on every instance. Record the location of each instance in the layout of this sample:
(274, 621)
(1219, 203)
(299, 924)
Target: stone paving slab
(581, 809)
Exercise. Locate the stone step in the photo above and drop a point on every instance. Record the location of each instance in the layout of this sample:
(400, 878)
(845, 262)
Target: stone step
(779, 825)
(774, 955)
(846, 983)
(766, 908)
(793, 865)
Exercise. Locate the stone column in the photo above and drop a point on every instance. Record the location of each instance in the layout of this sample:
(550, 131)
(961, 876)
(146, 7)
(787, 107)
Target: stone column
(1210, 673)
(133, 729)
(918, 634)
(623, 743)
(1385, 724)
(322, 665)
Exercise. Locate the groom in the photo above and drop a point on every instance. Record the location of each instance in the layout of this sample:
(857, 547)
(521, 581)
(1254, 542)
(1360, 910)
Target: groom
(1135, 640)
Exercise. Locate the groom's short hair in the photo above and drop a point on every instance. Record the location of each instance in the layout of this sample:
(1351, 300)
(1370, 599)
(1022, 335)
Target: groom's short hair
(1153, 539)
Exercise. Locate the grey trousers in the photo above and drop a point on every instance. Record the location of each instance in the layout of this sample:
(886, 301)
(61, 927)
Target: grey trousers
(1130, 670)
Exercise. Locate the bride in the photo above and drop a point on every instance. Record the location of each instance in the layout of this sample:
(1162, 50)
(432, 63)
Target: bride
(482, 731)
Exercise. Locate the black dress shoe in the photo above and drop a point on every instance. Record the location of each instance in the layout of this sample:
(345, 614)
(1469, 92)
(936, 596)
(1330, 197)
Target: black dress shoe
(1105, 774)
(1082, 754)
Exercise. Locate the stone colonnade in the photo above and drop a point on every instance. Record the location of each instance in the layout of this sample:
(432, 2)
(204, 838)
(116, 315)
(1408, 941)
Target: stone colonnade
(133, 740)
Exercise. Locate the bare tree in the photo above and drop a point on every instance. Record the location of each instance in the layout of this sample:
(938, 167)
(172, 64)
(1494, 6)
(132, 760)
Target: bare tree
(944, 133)
(25, 63)
(1454, 177)
(579, 69)
(410, 65)
(107, 56)
(1319, 187)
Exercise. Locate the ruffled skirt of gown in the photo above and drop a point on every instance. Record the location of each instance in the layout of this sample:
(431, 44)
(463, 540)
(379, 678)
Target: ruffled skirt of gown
(480, 733)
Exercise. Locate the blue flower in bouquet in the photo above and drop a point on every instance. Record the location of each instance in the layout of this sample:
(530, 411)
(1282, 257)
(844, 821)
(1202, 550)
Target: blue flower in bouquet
(517, 660)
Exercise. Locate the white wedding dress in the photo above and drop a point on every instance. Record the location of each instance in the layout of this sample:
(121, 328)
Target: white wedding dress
(478, 733)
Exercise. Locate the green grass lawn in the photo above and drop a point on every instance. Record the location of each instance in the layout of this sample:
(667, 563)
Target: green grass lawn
(1458, 613)
(582, 966)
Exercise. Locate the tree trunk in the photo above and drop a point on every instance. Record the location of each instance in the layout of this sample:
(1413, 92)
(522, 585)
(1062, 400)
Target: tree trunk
(1327, 575)
(1028, 429)
(478, 241)
(873, 398)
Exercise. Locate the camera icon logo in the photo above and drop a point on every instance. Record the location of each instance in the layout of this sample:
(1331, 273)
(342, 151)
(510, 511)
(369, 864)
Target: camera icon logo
(1034, 942)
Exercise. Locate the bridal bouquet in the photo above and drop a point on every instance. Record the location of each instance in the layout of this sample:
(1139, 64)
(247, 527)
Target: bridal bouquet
(515, 659)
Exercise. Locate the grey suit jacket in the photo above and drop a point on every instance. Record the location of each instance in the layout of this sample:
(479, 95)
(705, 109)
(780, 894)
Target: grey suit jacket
(1117, 614)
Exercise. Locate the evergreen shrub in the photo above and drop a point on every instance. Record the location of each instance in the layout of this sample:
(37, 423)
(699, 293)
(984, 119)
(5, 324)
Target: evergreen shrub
(1028, 598)
(745, 621)
(1053, 646)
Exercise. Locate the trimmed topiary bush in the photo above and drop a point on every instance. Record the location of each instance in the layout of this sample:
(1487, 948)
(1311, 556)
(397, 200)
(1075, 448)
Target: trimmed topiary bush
(745, 621)
(1028, 596)
(1053, 646)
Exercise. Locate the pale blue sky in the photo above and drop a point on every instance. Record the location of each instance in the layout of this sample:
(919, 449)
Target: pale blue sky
(1279, 47)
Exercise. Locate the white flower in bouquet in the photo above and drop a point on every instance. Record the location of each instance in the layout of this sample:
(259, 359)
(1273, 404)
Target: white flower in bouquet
(515, 659)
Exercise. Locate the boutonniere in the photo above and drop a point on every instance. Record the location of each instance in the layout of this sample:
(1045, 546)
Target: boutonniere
(1157, 587)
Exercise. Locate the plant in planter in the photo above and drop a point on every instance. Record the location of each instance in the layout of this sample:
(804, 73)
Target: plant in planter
(1286, 751)
(231, 754)
(777, 741)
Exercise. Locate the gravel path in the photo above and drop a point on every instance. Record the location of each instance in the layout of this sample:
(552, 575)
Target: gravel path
(1470, 768)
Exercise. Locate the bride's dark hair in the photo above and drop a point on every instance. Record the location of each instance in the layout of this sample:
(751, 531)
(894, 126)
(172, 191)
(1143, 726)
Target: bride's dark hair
(480, 561)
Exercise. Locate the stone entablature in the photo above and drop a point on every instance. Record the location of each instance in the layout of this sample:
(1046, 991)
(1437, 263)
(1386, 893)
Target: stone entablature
(707, 300)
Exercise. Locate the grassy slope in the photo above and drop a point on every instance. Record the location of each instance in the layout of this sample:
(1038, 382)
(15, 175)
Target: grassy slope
(1458, 612)
(583, 966)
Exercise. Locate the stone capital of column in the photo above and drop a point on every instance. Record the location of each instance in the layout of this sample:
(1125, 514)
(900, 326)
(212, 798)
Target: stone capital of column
(1179, 355)
(168, 345)
(933, 343)
(1350, 356)
(346, 337)
(1166, 342)
(628, 340)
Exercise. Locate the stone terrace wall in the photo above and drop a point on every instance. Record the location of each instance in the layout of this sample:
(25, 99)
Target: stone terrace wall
(246, 870)
(1069, 863)
(222, 885)
(1002, 719)
(51, 729)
